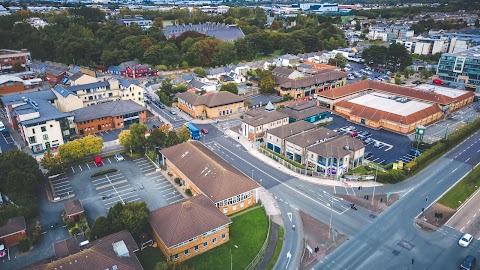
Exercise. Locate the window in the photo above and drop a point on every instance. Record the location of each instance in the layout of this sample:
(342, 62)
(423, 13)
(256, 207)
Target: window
(214, 240)
(234, 207)
(175, 257)
(241, 205)
(225, 210)
(33, 130)
(32, 139)
(186, 252)
(45, 137)
(224, 236)
(43, 129)
(249, 201)
(205, 244)
(195, 248)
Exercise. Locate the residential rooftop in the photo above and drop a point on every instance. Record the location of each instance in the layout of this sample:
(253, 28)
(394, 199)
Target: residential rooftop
(291, 129)
(338, 147)
(261, 117)
(13, 225)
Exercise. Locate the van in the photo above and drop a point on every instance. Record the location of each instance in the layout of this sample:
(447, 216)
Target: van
(315, 96)
(468, 263)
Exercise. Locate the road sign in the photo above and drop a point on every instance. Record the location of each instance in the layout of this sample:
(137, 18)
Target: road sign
(290, 216)
(388, 194)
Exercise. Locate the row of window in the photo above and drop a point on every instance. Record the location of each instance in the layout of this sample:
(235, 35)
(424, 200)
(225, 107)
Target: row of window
(42, 128)
(235, 199)
(225, 112)
(213, 231)
(196, 248)
(33, 139)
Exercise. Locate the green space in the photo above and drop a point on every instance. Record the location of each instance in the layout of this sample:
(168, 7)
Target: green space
(103, 172)
(456, 196)
(247, 235)
(149, 257)
(278, 248)
(261, 56)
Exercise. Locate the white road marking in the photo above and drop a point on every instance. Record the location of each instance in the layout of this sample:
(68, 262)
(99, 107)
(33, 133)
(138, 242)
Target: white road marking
(454, 170)
(407, 192)
(467, 160)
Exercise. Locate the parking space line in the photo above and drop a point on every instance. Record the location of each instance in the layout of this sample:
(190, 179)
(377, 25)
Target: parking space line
(150, 173)
(176, 201)
(62, 189)
(177, 195)
(57, 185)
(57, 180)
(129, 197)
(167, 190)
(109, 160)
(137, 199)
(87, 166)
(157, 176)
(111, 184)
(80, 167)
(73, 170)
(113, 202)
(118, 189)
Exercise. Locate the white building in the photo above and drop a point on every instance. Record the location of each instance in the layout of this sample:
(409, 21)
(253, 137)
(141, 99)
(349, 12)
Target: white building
(4, 11)
(36, 22)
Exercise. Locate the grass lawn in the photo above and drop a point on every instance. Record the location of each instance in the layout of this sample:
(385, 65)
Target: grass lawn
(462, 191)
(149, 257)
(261, 56)
(278, 248)
(248, 232)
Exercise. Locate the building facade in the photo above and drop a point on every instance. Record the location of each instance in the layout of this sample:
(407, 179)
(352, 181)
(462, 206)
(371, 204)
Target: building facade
(212, 105)
(9, 57)
(13, 231)
(308, 86)
(275, 138)
(461, 68)
(257, 122)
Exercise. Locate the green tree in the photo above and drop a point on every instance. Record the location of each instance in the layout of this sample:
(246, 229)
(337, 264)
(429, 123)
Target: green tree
(183, 134)
(407, 72)
(125, 139)
(137, 137)
(200, 71)
(230, 87)
(101, 228)
(134, 216)
(71, 151)
(245, 50)
(156, 139)
(226, 54)
(426, 74)
(292, 45)
(171, 266)
(266, 81)
(51, 161)
(339, 61)
(201, 52)
(180, 88)
(91, 144)
(172, 139)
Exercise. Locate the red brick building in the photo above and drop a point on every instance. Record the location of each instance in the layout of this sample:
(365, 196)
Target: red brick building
(55, 74)
(12, 84)
(108, 116)
(9, 57)
(73, 210)
(138, 71)
(13, 231)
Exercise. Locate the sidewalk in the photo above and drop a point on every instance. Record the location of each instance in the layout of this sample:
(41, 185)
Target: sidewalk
(325, 182)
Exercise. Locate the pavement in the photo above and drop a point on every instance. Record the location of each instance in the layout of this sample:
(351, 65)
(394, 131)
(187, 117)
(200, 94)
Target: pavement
(272, 243)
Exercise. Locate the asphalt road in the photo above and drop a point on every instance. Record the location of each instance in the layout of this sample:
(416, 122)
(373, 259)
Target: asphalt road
(467, 219)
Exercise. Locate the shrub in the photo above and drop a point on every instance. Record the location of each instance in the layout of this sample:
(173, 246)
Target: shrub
(242, 116)
(391, 176)
(70, 223)
(188, 192)
(74, 231)
(24, 245)
(177, 180)
(103, 172)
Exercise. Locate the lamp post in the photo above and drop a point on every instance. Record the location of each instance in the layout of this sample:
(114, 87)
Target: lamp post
(231, 257)
(373, 195)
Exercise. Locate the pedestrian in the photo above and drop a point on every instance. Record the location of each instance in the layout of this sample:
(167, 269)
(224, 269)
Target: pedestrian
(293, 227)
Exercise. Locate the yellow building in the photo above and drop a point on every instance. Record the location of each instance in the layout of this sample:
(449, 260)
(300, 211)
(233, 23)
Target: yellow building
(188, 228)
(210, 105)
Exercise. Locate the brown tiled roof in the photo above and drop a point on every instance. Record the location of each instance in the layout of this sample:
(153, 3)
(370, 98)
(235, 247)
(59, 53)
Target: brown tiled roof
(263, 117)
(73, 208)
(322, 77)
(212, 99)
(291, 129)
(99, 254)
(318, 66)
(214, 176)
(377, 115)
(392, 89)
(303, 113)
(337, 147)
(66, 247)
(13, 225)
(311, 137)
(187, 219)
(283, 71)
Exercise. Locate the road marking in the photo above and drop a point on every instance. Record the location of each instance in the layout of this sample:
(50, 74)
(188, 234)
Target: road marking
(111, 185)
(334, 190)
(475, 215)
(462, 228)
(80, 167)
(468, 222)
(109, 160)
(290, 216)
(150, 173)
(87, 166)
(407, 192)
(454, 170)
(467, 160)
(440, 181)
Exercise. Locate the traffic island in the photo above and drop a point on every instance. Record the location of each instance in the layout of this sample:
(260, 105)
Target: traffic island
(434, 217)
(320, 240)
(375, 204)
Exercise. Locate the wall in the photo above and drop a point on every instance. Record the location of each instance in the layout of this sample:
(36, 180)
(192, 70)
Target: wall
(52, 131)
(197, 111)
(11, 87)
(14, 239)
(106, 123)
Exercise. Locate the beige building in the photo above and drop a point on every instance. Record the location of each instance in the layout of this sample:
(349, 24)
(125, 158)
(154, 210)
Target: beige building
(275, 138)
(211, 105)
(296, 146)
(335, 157)
(257, 122)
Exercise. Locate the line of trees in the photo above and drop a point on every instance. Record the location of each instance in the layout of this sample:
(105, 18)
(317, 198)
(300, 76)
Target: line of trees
(393, 58)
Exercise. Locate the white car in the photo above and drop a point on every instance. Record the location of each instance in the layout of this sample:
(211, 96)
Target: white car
(465, 240)
(119, 157)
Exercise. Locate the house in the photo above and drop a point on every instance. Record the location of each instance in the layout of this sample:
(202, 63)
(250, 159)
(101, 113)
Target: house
(204, 172)
(137, 20)
(201, 87)
(304, 111)
(38, 67)
(275, 138)
(259, 121)
(40, 123)
(13, 231)
(115, 251)
(268, 64)
(189, 228)
(117, 70)
(216, 73)
(13, 84)
(287, 73)
(138, 71)
(108, 116)
(54, 74)
(298, 88)
(335, 157)
(296, 145)
(210, 105)
(73, 209)
(288, 60)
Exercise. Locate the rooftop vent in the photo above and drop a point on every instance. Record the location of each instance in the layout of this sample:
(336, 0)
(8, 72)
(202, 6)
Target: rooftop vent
(121, 249)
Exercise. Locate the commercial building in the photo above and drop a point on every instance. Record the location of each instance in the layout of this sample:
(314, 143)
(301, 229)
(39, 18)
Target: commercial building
(13, 84)
(115, 251)
(204, 172)
(392, 107)
(275, 138)
(40, 123)
(210, 105)
(108, 116)
(137, 20)
(303, 87)
(13, 231)
(9, 57)
(296, 145)
(257, 122)
(335, 157)
(227, 33)
(305, 111)
(462, 68)
(189, 228)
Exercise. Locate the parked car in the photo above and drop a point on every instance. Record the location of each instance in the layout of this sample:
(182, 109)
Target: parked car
(98, 161)
(249, 84)
(204, 131)
(353, 134)
(469, 262)
(119, 157)
(368, 141)
(366, 134)
(465, 240)
(368, 155)
(352, 128)
(377, 144)
(417, 82)
(3, 249)
(438, 82)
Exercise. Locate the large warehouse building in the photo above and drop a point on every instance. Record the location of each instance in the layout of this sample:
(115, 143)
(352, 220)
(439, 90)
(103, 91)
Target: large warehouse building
(392, 107)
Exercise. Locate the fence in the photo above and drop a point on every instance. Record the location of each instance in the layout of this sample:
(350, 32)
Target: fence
(290, 166)
(262, 250)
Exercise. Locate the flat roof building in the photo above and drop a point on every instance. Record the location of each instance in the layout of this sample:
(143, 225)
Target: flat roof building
(461, 68)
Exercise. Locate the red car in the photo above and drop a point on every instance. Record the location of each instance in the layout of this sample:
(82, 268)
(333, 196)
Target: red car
(353, 134)
(438, 81)
(98, 161)
(204, 131)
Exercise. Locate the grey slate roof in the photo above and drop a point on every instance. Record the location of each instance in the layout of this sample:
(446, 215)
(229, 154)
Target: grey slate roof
(337, 147)
(216, 71)
(76, 76)
(263, 117)
(71, 90)
(43, 95)
(211, 100)
(291, 129)
(196, 84)
(116, 68)
(55, 71)
(311, 137)
(112, 108)
(302, 112)
(283, 71)
(127, 83)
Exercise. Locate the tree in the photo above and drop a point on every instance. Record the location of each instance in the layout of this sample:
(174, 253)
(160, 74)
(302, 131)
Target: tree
(183, 134)
(425, 74)
(200, 71)
(137, 137)
(134, 216)
(17, 67)
(51, 161)
(266, 81)
(398, 57)
(230, 87)
(172, 139)
(91, 144)
(100, 228)
(125, 139)
(201, 52)
(398, 79)
(171, 266)
(339, 60)
(292, 45)
(71, 151)
(158, 22)
(407, 72)
(180, 88)
(276, 25)
(245, 51)
(157, 138)
(226, 54)
(166, 87)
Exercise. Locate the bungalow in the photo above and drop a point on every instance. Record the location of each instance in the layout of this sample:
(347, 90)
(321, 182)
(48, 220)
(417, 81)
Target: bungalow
(189, 228)
(257, 122)
(305, 111)
(288, 60)
(275, 138)
(13, 231)
(210, 105)
(201, 87)
(204, 172)
(296, 145)
(73, 210)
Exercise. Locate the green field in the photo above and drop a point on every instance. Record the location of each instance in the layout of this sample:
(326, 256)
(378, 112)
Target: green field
(462, 191)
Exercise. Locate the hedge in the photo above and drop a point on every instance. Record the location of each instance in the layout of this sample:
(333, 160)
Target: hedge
(103, 172)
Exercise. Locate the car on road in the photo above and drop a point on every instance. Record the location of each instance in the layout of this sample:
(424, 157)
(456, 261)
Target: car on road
(172, 111)
(469, 262)
(204, 130)
(465, 240)
(3, 249)
(161, 106)
(98, 161)
(119, 157)
(368, 155)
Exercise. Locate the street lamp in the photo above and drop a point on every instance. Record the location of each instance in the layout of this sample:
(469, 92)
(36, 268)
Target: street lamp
(231, 257)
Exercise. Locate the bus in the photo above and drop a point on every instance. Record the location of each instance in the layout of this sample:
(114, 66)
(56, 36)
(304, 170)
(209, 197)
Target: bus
(3, 129)
(194, 131)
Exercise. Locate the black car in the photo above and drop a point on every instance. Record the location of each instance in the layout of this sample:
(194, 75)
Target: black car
(468, 263)
(366, 134)
(417, 82)
(368, 155)
(161, 106)
(249, 84)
